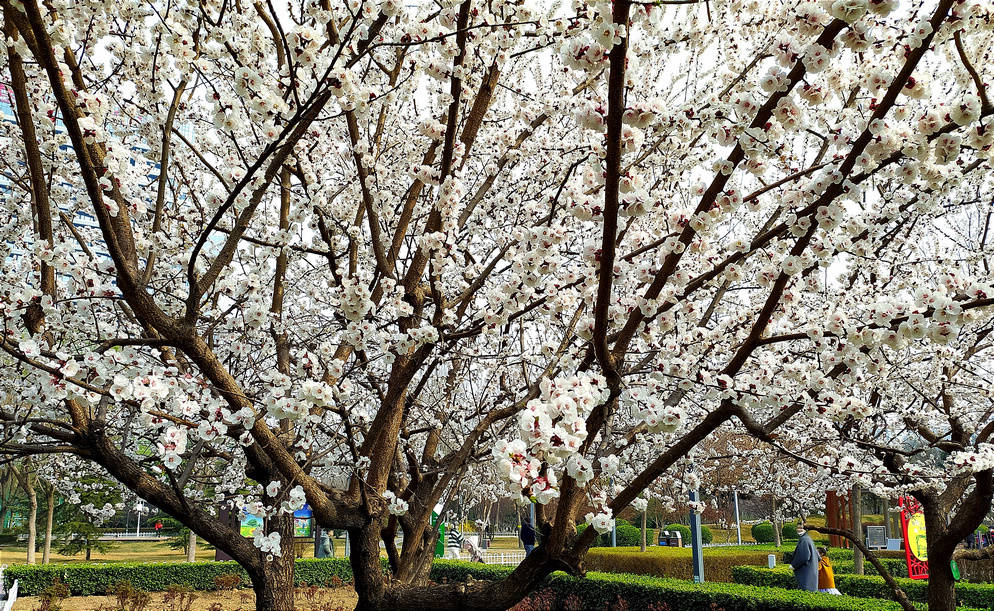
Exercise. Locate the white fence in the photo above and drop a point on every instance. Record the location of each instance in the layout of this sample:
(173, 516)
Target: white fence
(503, 558)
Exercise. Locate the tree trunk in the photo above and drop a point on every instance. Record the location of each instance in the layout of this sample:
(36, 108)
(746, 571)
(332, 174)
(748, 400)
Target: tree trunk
(857, 527)
(776, 525)
(32, 518)
(49, 511)
(191, 547)
(274, 585)
(643, 532)
(88, 550)
(941, 586)
(273, 580)
(366, 569)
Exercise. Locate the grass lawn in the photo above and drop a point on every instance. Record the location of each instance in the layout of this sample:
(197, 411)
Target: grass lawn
(158, 551)
(137, 551)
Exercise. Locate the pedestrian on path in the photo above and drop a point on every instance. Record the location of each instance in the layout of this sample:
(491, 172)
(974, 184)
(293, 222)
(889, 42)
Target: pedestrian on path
(805, 562)
(826, 575)
(527, 536)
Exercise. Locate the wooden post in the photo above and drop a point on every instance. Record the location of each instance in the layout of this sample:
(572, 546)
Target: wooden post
(856, 498)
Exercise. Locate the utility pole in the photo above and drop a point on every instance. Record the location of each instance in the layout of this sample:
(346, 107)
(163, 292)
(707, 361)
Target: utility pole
(697, 552)
(738, 524)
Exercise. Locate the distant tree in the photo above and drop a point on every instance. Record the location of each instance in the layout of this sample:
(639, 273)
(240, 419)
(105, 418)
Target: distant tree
(79, 534)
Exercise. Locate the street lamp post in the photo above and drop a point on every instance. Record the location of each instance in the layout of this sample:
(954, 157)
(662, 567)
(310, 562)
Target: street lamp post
(697, 553)
(738, 525)
(139, 509)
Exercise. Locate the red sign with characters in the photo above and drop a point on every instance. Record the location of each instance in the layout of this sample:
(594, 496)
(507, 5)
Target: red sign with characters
(915, 543)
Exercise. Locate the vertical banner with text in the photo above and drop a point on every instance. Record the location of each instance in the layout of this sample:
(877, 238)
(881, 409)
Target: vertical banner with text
(915, 543)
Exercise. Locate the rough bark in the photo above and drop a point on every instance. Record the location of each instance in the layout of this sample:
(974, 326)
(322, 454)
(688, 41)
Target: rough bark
(366, 569)
(857, 524)
(471, 595)
(272, 580)
(941, 585)
(32, 518)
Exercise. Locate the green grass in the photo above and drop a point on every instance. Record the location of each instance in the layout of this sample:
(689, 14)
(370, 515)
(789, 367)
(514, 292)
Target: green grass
(135, 551)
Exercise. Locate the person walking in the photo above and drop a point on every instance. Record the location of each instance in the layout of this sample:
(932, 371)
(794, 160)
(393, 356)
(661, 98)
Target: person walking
(805, 562)
(326, 545)
(826, 575)
(527, 536)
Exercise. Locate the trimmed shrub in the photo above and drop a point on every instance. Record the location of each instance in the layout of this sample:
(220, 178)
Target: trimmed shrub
(896, 568)
(599, 591)
(706, 535)
(671, 561)
(788, 532)
(841, 553)
(980, 595)
(97, 579)
(762, 532)
(628, 535)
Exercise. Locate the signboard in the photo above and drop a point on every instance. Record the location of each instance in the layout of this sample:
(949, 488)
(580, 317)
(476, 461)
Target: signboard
(303, 521)
(249, 523)
(915, 543)
(876, 537)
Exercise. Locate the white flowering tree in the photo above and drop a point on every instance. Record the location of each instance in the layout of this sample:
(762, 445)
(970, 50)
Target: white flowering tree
(929, 434)
(353, 248)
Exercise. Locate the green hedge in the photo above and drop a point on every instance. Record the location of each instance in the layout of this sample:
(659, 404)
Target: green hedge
(626, 535)
(896, 568)
(788, 532)
(762, 532)
(672, 562)
(706, 535)
(980, 595)
(841, 553)
(97, 579)
(599, 590)
(596, 590)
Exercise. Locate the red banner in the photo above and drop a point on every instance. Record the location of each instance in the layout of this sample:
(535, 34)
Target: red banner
(915, 543)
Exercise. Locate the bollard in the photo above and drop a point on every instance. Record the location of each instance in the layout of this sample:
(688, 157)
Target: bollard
(771, 560)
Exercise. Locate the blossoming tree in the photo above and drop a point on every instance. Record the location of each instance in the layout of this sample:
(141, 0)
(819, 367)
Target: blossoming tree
(380, 244)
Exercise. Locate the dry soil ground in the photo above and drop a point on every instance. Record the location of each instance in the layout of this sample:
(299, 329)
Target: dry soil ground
(325, 599)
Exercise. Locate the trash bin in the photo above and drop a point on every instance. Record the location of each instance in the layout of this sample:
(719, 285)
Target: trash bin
(662, 537)
(670, 538)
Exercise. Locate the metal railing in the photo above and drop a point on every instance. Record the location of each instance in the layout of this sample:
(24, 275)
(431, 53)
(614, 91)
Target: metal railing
(504, 558)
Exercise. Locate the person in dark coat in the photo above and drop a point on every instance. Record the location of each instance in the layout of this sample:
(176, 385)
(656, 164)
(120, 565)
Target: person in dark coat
(805, 562)
(527, 536)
